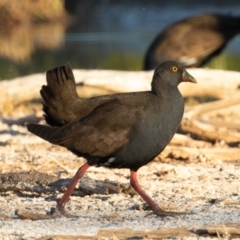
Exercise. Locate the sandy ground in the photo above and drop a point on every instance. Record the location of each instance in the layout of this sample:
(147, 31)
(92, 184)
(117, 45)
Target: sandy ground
(207, 190)
(197, 180)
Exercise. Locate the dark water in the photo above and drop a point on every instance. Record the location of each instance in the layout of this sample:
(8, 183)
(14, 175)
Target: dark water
(105, 35)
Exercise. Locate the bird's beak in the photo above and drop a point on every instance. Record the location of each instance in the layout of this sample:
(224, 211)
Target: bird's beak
(186, 77)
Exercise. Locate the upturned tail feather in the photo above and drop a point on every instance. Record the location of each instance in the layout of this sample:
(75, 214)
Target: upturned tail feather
(59, 95)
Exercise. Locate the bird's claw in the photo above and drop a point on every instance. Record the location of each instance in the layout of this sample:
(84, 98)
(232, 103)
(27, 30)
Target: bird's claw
(163, 214)
(61, 211)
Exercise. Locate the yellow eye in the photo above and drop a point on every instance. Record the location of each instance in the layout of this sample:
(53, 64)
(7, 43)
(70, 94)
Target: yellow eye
(174, 69)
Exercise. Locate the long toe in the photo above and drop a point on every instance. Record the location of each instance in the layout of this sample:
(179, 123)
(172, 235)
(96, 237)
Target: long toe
(58, 212)
(163, 214)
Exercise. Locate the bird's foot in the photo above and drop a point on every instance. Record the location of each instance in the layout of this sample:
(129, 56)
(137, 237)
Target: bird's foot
(60, 209)
(161, 213)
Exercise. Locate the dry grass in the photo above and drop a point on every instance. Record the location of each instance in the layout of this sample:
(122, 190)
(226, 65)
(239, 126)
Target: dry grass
(19, 43)
(29, 25)
(26, 12)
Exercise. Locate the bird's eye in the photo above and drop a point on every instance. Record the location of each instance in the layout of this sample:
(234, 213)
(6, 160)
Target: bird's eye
(174, 69)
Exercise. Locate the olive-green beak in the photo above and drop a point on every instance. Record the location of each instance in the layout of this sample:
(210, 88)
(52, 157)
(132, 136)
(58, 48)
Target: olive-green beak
(186, 77)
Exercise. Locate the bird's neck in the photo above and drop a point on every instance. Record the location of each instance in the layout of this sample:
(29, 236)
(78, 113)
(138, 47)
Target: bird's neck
(162, 89)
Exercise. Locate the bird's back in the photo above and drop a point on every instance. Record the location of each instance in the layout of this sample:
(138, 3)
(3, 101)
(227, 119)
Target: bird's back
(192, 41)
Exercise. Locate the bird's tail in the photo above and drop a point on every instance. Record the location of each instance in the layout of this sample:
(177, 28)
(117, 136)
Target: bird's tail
(45, 132)
(59, 95)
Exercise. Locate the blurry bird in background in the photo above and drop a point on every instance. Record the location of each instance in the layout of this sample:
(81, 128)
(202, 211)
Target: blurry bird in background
(193, 41)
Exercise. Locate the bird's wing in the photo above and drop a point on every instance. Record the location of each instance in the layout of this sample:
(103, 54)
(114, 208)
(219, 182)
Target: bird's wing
(101, 132)
(195, 46)
(202, 42)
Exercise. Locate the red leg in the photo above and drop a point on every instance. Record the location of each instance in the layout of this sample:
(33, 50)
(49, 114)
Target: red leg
(79, 174)
(134, 183)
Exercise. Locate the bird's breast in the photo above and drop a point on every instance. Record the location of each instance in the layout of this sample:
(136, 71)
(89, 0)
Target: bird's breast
(151, 134)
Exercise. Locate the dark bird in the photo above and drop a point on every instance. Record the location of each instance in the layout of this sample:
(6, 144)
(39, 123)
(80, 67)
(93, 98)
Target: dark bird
(125, 130)
(193, 41)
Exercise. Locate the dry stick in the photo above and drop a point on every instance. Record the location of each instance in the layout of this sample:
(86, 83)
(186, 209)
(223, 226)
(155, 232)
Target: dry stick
(68, 170)
(230, 230)
(226, 154)
(208, 107)
(24, 214)
(207, 132)
(219, 124)
(210, 130)
(182, 140)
